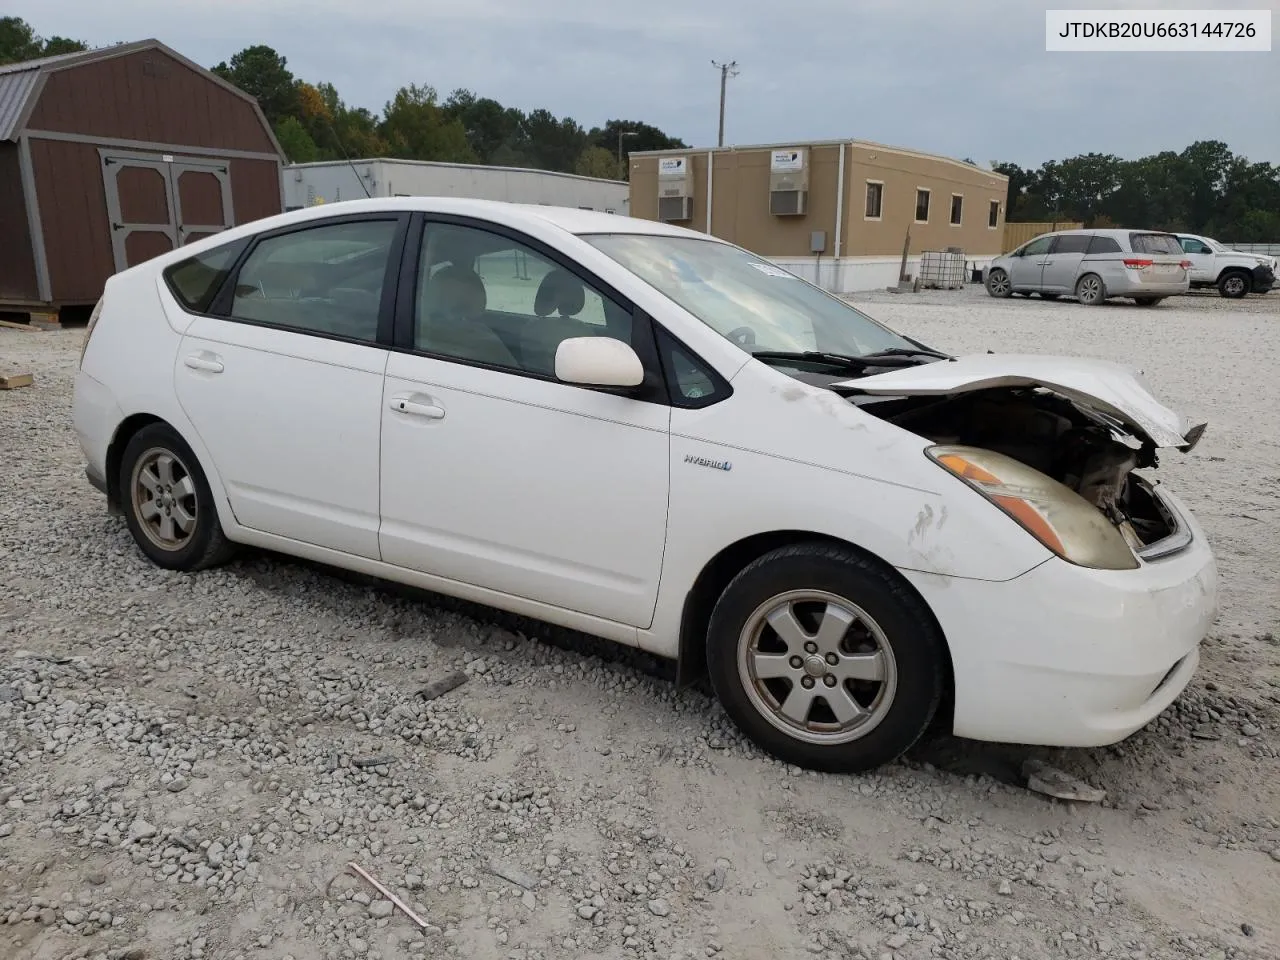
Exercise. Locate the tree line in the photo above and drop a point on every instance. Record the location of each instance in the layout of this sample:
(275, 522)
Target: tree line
(1204, 189)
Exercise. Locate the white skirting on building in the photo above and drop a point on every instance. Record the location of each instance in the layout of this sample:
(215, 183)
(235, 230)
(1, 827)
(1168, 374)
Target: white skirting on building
(858, 274)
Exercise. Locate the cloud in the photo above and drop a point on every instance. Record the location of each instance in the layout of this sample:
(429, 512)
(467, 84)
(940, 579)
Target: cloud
(962, 78)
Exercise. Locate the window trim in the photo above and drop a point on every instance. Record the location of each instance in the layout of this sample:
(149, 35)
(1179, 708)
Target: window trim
(952, 212)
(722, 389)
(998, 207)
(880, 216)
(220, 307)
(167, 275)
(928, 206)
(653, 389)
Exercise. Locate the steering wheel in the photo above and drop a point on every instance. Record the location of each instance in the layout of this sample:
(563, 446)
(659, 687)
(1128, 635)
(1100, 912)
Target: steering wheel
(743, 336)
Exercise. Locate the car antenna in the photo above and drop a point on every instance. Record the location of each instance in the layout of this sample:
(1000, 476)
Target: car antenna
(338, 140)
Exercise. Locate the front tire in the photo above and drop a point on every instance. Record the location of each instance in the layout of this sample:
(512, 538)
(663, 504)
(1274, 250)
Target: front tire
(1234, 285)
(998, 284)
(167, 503)
(825, 659)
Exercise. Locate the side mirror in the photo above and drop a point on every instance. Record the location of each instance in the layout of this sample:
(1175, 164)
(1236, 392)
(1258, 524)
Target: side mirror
(598, 362)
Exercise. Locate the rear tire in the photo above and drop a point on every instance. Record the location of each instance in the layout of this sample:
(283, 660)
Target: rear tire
(167, 503)
(1090, 290)
(1235, 284)
(998, 284)
(825, 659)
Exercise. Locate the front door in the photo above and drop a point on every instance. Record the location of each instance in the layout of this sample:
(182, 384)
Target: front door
(157, 202)
(496, 474)
(1026, 268)
(283, 383)
(1202, 260)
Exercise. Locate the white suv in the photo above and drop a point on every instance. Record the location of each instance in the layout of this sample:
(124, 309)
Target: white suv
(1235, 273)
(656, 437)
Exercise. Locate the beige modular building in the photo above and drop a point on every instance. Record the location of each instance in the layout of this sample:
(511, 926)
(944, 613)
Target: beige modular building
(834, 211)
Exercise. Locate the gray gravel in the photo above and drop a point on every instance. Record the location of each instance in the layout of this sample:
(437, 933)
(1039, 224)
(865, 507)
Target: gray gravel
(188, 763)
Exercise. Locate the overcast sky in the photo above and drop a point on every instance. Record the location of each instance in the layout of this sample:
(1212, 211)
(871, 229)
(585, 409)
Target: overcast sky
(965, 78)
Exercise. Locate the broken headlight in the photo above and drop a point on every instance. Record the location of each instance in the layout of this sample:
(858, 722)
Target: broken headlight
(1054, 514)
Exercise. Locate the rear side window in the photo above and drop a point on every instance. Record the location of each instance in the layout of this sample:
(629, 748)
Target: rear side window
(1155, 243)
(194, 282)
(1072, 243)
(1103, 245)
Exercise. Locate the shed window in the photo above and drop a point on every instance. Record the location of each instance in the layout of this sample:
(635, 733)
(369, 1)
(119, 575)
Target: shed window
(194, 282)
(922, 206)
(993, 216)
(875, 200)
(957, 209)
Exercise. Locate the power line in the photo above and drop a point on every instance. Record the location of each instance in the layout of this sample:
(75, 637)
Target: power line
(727, 70)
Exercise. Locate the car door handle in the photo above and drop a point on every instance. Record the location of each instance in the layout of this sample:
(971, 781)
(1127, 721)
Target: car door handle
(1043, 263)
(417, 407)
(198, 361)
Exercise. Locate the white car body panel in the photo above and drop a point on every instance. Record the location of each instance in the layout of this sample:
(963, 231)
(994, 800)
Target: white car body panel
(598, 512)
(1100, 384)
(536, 489)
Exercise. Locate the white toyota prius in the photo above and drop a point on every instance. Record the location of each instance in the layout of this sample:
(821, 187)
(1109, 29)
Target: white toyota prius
(655, 437)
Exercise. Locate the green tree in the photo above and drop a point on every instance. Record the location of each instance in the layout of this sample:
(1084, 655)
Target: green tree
(263, 74)
(488, 124)
(553, 144)
(632, 135)
(19, 42)
(296, 142)
(597, 162)
(416, 128)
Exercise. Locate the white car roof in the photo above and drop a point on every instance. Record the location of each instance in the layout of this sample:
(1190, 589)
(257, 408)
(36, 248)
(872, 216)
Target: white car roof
(569, 219)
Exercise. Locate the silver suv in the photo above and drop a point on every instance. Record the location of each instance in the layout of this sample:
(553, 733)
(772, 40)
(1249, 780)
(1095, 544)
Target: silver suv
(1094, 265)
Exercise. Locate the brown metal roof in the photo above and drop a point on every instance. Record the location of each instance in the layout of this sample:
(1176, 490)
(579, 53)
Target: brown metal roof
(20, 83)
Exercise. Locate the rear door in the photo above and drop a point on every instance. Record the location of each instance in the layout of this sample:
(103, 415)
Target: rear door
(282, 379)
(1159, 256)
(1062, 265)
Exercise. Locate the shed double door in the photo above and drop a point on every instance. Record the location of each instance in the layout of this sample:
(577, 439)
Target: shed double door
(158, 202)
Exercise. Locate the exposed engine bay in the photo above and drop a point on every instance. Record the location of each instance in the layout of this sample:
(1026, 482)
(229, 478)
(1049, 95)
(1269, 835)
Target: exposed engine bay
(1080, 448)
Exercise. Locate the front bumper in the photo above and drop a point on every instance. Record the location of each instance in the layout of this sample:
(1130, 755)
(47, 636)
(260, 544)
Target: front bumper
(1264, 279)
(1072, 657)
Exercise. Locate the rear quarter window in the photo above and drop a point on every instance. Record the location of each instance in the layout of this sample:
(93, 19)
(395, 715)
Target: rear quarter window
(1155, 243)
(195, 282)
(1103, 245)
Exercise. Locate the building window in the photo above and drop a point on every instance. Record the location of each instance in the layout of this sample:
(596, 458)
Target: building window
(957, 209)
(922, 205)
(875, 199)
(993, 218)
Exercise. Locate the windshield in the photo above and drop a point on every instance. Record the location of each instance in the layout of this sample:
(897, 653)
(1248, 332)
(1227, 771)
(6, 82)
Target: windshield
(745, 299)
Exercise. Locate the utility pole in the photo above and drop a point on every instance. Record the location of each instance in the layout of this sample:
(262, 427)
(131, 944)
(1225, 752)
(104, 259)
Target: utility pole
(727, 70)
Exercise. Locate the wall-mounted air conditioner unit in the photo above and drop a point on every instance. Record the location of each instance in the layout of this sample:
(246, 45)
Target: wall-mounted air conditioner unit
(788, 182)
(675, 189)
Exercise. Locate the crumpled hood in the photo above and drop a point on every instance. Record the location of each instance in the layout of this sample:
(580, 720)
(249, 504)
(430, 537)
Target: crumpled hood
(1100, 385)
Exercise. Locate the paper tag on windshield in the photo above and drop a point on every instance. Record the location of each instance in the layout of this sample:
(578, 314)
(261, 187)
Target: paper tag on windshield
(772, 271)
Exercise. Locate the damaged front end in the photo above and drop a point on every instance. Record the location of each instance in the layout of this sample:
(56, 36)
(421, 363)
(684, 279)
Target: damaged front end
(1084, 450)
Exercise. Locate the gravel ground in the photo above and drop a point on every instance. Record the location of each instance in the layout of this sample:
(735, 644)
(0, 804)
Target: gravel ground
(187, 763)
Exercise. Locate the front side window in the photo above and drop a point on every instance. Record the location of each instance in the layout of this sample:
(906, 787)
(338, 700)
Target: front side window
(195, 282)
(325, 280)
(1037, 247)
(1194, 246)
(489, 299)
(922, 206)
(746, 299)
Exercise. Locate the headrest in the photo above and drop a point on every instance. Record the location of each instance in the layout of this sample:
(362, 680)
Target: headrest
(562, 291)
(456, 291)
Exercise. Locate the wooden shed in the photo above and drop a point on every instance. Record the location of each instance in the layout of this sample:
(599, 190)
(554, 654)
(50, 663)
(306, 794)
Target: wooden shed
(112, 156)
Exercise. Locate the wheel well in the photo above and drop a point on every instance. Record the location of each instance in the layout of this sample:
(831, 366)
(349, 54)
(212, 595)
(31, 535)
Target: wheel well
(691, 662)
(115, 451)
